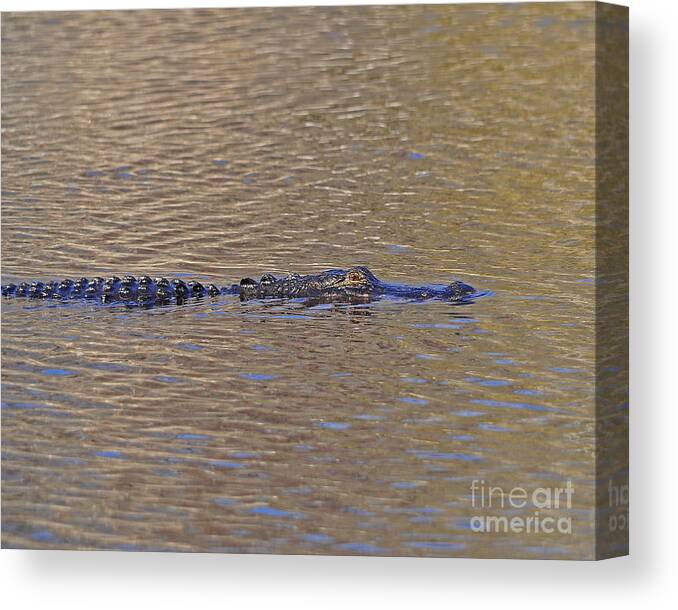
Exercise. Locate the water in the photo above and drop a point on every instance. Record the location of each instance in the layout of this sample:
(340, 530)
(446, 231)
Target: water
(425, 142)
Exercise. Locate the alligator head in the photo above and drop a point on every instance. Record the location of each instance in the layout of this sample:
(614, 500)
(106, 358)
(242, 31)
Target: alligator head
(354, 284)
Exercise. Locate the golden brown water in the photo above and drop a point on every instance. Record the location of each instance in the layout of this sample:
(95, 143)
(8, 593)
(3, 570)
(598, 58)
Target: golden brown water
(426, 142)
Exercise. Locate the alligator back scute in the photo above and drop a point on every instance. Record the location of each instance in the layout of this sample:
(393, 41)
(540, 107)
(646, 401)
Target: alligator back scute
(128, 289)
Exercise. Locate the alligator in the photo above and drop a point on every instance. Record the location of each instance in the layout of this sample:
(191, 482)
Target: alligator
(354, 285)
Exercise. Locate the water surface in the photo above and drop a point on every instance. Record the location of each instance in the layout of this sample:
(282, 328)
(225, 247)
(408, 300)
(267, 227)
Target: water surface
(425, 142)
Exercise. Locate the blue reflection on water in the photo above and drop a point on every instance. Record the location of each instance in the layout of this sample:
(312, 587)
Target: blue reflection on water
(189, 346)
(468, 413)
(405, 485)
(333, 425)
(317, 538)
(58, 372)
(257, 376)
(110, 454)
(397, 248)
(462, 437)
(21, 405)
(493, 428)
(43, 536)
(526, 392)
(412, 400)
(270, 511)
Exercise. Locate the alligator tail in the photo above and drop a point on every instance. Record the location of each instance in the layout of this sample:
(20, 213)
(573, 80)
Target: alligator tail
(114, 289)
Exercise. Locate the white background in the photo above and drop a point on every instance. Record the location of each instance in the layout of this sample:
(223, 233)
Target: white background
(54, 579)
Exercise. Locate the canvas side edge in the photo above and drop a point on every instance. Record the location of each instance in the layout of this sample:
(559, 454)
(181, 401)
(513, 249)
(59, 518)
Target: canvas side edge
(612, 281)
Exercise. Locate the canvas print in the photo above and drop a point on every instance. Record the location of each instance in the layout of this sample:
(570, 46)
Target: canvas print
(317, 280)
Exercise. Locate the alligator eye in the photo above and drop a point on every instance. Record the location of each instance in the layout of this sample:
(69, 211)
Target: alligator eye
(354, 276)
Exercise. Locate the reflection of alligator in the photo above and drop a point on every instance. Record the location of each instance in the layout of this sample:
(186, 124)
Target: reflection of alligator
(355, 285)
